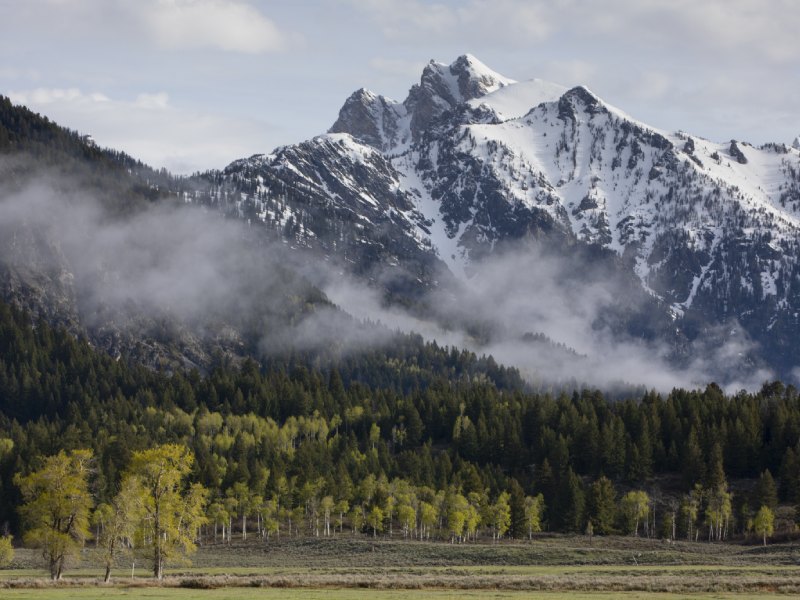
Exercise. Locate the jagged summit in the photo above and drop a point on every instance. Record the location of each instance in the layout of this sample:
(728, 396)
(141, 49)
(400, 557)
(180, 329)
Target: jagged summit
(390, 125)
(372, 119)
(464, 79)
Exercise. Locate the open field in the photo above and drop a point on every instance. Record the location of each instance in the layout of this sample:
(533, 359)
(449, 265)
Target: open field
(551, 567)
(349, 594)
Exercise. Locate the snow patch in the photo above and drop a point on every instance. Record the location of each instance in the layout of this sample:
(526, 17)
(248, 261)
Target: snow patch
(515, 100)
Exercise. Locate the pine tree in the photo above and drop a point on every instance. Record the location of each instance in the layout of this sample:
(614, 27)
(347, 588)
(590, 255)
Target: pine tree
(766, 492)
(602, 506)
(571, 503)
(693, 467)
(715, 474)
(516, 502)
(790, 476)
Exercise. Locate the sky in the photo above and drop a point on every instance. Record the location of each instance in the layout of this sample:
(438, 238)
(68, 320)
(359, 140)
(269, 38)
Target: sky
(194, 84)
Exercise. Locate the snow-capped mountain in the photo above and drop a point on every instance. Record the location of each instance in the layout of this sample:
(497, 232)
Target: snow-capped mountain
(472, 160)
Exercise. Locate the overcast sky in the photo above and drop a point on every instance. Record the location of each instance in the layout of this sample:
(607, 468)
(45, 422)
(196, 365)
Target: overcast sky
(194, 84)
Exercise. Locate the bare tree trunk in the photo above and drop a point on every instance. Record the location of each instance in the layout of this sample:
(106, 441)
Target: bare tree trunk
(673, 525)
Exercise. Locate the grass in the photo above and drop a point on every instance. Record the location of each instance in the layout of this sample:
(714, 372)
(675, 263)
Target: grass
(549, 567)
(345, 594)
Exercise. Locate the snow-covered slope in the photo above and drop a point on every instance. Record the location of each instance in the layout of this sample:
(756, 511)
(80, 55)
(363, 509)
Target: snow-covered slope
(513, 101)
(472, 160)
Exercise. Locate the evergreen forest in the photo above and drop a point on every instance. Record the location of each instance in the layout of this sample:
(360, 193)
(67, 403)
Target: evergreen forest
(290, 448)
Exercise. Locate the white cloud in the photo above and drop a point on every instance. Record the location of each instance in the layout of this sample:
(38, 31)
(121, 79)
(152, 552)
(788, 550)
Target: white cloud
(407, 69)
(567, 72)
(150, 128)
(156, 101)
(14, 73)
(741, 29)
(652, 85)
(224, 24)
(520, 21)
(44, 96)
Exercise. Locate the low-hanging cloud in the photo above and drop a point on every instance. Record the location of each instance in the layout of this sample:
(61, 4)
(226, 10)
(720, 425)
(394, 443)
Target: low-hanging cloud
(516, 297)
(545, 313)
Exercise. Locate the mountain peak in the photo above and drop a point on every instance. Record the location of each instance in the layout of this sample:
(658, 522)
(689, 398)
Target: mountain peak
(464, 79)
(370, 118)
(443, 87)
(386, 124)
(475, 78)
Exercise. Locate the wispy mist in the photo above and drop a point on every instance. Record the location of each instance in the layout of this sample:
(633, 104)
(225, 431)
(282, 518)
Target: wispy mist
(517, 296)
(223, 280)
(178, 272)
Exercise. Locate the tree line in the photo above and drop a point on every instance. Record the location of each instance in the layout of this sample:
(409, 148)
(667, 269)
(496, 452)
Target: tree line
(294, 447)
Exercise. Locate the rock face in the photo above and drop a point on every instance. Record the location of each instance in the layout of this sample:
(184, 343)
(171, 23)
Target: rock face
(371, 119)
(471, 161)
(737, 153)
(387, 125)
(443, 88)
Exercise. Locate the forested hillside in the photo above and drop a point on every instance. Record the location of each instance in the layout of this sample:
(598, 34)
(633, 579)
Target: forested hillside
(440, 449)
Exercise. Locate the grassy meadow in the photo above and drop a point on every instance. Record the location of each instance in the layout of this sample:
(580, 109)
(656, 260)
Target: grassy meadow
(355, 568)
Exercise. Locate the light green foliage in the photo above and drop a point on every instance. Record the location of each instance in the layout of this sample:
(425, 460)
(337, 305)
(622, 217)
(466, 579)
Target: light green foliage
(375, 520)
(6, 550)
(635, 507)
(57, 507)
(171, 514)
(501, 515)
(6, 446)
(367, 488)
(718, 511)
(374, 435)
(408, 517)
(472, 519)
(690, 510)
(457, 507)
(326, 506)
(218, 516)
(244, 503)
(428, 517)
(269, 511)
(764, 523)
(534, 509)
(340, 510)
(117, 523)
(357, 518)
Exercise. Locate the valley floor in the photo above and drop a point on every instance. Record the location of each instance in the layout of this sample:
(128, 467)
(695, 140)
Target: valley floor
(350, 568)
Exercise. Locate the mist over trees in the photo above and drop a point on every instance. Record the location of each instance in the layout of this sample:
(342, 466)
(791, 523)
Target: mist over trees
(293, 449)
